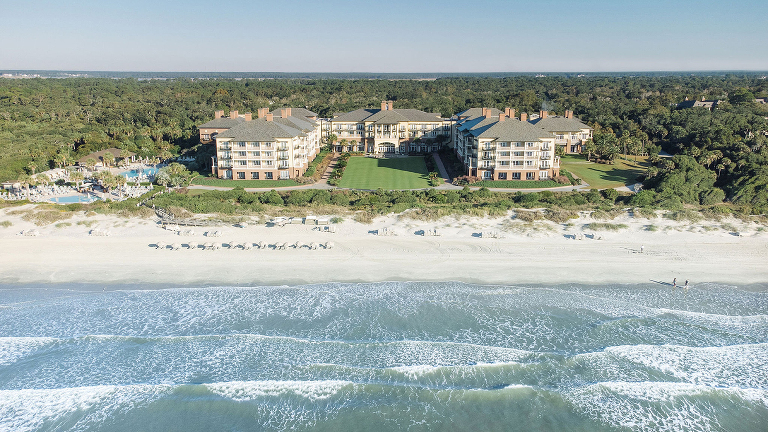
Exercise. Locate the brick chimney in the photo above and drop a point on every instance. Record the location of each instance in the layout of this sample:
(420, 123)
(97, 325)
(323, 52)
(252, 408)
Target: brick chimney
(485, 112)
(509, 112)
(233, 114)
(262, 112)
(568, 114)
(502, 117)
(543, 114)
(703, 98)
(523, 116)
(283, 112)
(390, 105)
(248, 116)
(269, 116)
(218, 114)
(384, 105)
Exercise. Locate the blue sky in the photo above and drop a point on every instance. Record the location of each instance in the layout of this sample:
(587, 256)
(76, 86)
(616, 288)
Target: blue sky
(385, 35)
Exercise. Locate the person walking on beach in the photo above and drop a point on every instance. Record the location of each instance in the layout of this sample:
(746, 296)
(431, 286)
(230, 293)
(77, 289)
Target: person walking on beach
(686, 284)
(641, 248)
(674, 283)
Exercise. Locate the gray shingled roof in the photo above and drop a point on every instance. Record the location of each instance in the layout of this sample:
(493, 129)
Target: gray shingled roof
(560, 124)
(296, 112)
(301, 123)
(508, 130)
(355, 116)
(220, 123)
(261, 130)
(478, 112)
(387, 116)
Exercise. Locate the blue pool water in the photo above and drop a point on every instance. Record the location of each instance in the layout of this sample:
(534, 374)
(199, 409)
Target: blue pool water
(135, 173)
(73, 199)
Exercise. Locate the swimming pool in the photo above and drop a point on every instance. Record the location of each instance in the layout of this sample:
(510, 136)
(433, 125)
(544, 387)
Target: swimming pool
(73, 199)
(132, 174)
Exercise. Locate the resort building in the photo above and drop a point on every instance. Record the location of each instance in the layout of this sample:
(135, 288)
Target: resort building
(388, 130)
(494, 145)
(276, 145)
(703, 103)
(570, 133)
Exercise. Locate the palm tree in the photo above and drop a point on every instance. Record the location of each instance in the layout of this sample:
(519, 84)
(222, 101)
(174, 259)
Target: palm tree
(108, 158)
(76, 177)
(26, 180)
(32, 167)
(125, 155)
(90, 163)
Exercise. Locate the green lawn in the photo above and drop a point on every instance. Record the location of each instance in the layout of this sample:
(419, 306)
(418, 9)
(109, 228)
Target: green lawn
(395, 173)
(206, 181)
(602, 176)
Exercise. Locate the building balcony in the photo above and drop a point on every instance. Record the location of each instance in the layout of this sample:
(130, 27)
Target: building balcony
(488, 157)
(225, 147)
(283, 157)
(282, 148)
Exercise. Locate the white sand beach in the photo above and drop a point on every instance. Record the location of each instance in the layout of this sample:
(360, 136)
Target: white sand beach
(728, 251)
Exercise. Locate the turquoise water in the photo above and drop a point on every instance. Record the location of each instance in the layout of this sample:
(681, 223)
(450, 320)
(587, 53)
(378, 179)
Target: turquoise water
(132, 174)
(384, 356)
(73, 199)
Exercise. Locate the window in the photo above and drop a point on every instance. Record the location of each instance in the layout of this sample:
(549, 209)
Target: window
(268, 176)
(518, 154)
(519, 144)
(543, 175)
(488, 175)
(504, 163)
(255, 145)
(206, 137)
(503, 153)
(502, 176)
(560, 136)
(284, 175)
(516, 176)
(256, 163)
(269, 162)
(504, 144)
(528, 154)
(268, 154)
(241, 176)
(254, 176)
(241, 144)
(242, 163)
(241, 154)
(529, 163)
(530, 176)
(517, 163)
(255, 154)
(530, 144)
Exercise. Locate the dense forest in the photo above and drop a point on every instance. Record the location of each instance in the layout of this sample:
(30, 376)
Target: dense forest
(718, 155)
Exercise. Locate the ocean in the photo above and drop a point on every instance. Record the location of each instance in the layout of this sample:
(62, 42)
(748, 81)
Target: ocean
(384, 357)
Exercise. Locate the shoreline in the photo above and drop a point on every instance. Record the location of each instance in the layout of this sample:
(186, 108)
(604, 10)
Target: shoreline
(528, 253)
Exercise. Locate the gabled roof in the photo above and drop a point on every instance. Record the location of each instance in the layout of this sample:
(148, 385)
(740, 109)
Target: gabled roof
(508, 130)
(222, 123)
(261, 130)
(301, 123)
(355, 116)
(387, 116)
(559, 124)
(296, 112)
(478, 112)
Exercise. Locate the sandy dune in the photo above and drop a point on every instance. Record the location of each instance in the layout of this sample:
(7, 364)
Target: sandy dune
(541, 253)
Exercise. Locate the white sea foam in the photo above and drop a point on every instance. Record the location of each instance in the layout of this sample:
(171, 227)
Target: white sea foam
(727, 366)
(27, 410)
(249, 390)
(14, 348)
(657, 406)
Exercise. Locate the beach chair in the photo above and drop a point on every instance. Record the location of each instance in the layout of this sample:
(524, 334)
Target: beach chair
(161, 245)
(313, 246)
(329, 245)
(261, 245)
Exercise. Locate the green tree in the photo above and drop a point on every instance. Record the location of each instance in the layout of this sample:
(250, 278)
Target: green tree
(108, 159)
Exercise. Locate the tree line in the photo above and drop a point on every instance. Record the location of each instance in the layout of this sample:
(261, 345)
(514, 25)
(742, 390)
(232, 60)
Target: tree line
(52, 122)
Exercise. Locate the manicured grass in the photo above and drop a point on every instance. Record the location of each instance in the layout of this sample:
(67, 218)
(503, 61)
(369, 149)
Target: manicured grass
(395, 173)
(517, 184)
(205, 181)
(603, 176)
